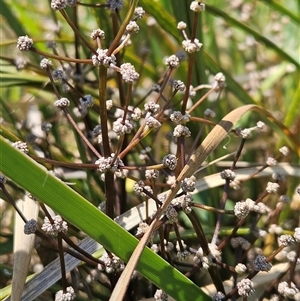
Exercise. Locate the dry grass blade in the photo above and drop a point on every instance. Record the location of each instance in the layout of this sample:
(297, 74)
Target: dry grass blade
(23, 245)
(210, 143)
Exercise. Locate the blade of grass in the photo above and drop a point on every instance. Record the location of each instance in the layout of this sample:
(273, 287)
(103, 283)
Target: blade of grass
(283, 10)
(75, 209)
(256, 35)
(210, 143)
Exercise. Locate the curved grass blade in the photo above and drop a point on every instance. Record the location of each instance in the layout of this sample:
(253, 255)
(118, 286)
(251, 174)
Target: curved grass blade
(210, 143)
(78, 211)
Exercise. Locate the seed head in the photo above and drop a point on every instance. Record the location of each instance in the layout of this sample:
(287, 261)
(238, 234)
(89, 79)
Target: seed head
(2, 179)
(160, 296)
(219, 296)
(138, 13)
(24, 43)
(128, 73)
(181, 130)
(245, 287)
(21, 146)
(197, 6)
(172, 61)
(115, 4)
(190, 46)
(181, 25)
(69, 295)
(297, 234)
(178, 85)
(271, 161)
(98, 33)
(241, 210)
(228, 174)
(122, 128)
(58, 4)
(286, 240)
(272, 187)
(30, 227)
(112, 264)
(152, 122)
(137, 114)
(62, 103)
(284, 150)
(240, 268)
(132, 27)
(151, 174)
(188, 184)
(20, 63)
(176, 116)
(152, 107)
(261, 264)
(103, 59)
(45, 63)
(59, 225)
(171, 214)
(220, 81)
(170, 161)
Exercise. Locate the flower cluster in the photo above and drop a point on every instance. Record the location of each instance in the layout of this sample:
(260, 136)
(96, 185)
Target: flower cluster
(245, 287)
(21, 146)
(30, 227)
(24, 43)
(58, 225)
(111, 264)
(121, 127)
(111, 164)
(103, 59)
(69, 295)
(170, 161)
(179, 118)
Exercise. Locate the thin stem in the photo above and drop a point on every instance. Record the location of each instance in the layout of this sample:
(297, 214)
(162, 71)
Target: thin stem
(195, 105)
(122, 29)
(59, 57)
(87, 142)
(13, 203)
(76, 31)
(62, 264)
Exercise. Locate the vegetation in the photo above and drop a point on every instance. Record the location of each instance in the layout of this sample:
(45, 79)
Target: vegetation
(150, 149)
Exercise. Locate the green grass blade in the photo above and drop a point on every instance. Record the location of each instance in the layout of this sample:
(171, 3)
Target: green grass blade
(283, 10)
(14, 23)
(232, 21)
(74, 208)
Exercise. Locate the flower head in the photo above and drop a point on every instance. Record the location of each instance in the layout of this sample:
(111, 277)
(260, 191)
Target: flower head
(190, 46)
(197, 6)
(30, 227)
(128, 73)
(58, 4)
(21, 146)
(170, 161)
(69, 295)
(98, 33)
(115, 4)
(172, 61)
(24, 43)
(62, 103)
(245, 287)
(261, 264)
(58, 225)
(45, 63)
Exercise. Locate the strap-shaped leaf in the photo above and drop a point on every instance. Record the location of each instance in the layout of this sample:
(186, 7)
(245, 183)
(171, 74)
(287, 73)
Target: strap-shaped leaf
(75, 209)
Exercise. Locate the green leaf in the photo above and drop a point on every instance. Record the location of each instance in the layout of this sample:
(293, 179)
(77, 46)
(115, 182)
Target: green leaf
(78, 211)
(13, 22)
